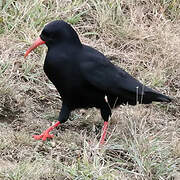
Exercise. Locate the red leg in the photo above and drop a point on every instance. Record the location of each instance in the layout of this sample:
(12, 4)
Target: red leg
(104, 132)
(46, 134)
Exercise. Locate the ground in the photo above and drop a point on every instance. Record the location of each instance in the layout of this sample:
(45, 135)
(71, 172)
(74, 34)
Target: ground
(142, 37)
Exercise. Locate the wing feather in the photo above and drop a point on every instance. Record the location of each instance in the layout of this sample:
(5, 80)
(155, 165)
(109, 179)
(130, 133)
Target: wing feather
(102, 74)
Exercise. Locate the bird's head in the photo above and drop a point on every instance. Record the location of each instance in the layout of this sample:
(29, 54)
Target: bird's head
(54, 33)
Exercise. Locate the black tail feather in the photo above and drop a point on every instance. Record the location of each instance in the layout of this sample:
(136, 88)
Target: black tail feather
(148, 97)
(155, 96)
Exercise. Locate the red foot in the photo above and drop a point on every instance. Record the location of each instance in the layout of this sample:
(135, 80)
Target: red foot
(43, 136)
(46, 134)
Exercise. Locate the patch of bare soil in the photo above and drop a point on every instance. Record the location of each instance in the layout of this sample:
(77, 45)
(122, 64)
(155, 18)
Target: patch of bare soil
(9, 110)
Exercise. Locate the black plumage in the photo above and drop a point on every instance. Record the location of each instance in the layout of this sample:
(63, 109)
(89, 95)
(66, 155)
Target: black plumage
(83, 76)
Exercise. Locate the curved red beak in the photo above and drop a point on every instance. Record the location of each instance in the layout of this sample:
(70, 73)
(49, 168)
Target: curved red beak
(37, 43)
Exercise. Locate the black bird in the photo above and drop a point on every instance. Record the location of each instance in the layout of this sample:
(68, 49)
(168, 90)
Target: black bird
(85, 78)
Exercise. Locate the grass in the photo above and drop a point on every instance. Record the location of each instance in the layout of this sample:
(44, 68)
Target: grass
(143, 38)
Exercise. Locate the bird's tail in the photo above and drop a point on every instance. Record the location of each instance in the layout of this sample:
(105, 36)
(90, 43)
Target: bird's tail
(148, 96)
(156, 96)
(163, 98)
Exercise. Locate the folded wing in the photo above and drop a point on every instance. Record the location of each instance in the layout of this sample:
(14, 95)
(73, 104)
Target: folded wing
(118, 84)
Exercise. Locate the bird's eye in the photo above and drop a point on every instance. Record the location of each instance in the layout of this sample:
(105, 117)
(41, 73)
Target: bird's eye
(46, 35)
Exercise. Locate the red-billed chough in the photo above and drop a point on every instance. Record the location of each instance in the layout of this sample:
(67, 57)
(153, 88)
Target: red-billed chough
(84, 77)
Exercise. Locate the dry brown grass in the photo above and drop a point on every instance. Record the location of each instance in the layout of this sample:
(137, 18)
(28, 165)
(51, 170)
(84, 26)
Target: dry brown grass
(143, 37)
